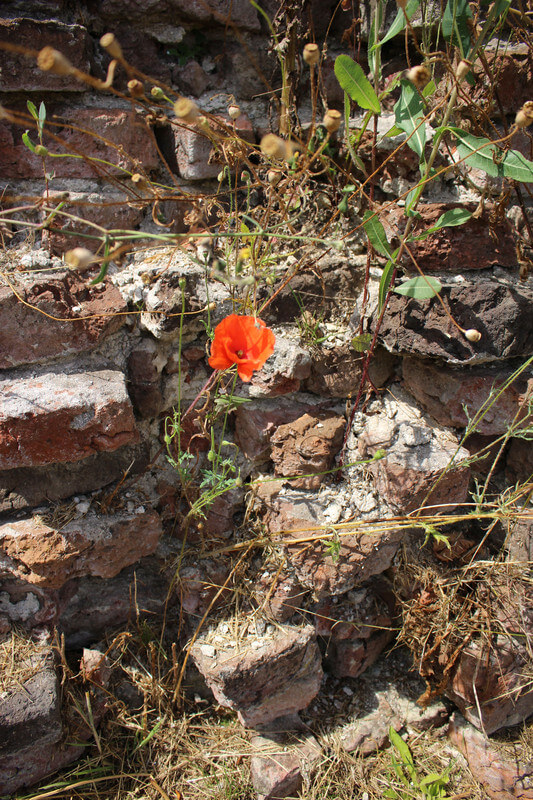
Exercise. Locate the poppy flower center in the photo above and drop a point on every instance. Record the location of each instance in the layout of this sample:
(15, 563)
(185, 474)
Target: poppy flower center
(240, 353)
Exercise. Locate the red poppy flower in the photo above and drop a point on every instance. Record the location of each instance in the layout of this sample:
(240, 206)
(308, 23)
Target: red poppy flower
(245, 341)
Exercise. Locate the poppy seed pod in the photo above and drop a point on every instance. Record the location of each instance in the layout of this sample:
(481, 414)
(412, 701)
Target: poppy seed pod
(332, 120)
(273, 146)
(139, 181)
(472, 335)
(462, 70)
(419, 75)
(311, 54)
(135, 88)
(401, 4)
(234, 112)
(79, 258)
(109, 42)
(186, 110)
(524, 117)
(50, 60)
(273, 177)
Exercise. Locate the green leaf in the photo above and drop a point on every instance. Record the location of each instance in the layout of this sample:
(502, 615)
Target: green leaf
(386, 277)
(376, 233)
(355, 83)
(409, 113)
(42, 118)
(32, 109)
(405, 753)
(421, 287)
(28, 142)
(362, 342)
(455, 24)
(481, 153)
(399, 22)
(450, 219)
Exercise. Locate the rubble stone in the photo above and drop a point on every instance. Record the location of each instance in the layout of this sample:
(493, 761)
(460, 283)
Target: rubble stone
(445, 392)
(306, 446)
(284, 754)
(100, 545)
(420, 327)
(83, 317)
(61, 416)
(371, 731)
(279, 676)
(503, 775)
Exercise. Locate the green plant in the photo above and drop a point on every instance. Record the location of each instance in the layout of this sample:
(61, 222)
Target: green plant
(432, 785)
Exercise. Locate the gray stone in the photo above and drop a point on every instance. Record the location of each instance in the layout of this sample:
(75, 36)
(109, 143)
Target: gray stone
(284, 755)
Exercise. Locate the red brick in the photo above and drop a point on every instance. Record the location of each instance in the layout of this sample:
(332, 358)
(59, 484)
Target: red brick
(115, 135)
(98, 545)
(55, 295)
(21, 73)
(62, 417)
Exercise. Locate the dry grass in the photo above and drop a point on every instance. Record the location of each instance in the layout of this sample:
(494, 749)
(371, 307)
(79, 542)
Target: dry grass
(20, 659)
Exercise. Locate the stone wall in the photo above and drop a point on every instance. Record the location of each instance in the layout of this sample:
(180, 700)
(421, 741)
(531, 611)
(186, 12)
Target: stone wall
(90, 510)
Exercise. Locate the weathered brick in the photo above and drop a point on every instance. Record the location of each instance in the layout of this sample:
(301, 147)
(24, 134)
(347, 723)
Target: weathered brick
(107, 209)
(479, 243)
(225, 12)
(50, 417)
(45, 306)
(21, 73)
(114, 135)
(100, 545)
(189, 152)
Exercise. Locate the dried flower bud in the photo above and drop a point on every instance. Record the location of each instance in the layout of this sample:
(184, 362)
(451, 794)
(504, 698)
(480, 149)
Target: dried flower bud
(109, 42)
(524, 117)
(311, 54)
(234, 111)
(274, 146)
(462, 70)
(273, 177)
(50, 60)
(139, 181)
(80, 258)
(332, 120)
(401, 4)
(135, 88)
(419, 75)
(472, 335)
(186, 110)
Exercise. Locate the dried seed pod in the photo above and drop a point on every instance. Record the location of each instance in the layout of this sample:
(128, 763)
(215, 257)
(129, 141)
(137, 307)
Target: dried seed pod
(79, 258)
(50, 60)
(139, 181)
(186, 110)
(401, 4)
(135, 88)
(472, 335)
(462, 70)
(332, 120)
(419, 75)
(234, 111)
(524, 117)
(274, 146)
(311, 54)
(273, 177)
(110, 43)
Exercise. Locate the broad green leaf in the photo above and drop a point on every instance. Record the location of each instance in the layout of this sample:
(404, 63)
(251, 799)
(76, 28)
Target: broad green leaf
(481, 153)
(421, 287)
(455, 24)
(394, 131)
(355, 83)
(376, 234)
(409, 113)
(362, 342)
(399, 22)
(28, 142)
(384, 284)
(450, 219)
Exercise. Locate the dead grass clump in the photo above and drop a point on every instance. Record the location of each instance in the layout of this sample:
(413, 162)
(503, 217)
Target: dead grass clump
(20, 659)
